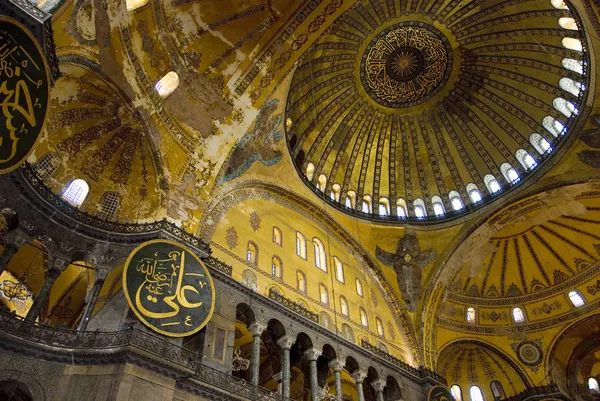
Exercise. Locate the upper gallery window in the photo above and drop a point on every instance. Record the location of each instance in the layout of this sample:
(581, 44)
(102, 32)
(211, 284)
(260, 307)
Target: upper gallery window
(167, 84)
(379, 325)
(344, 306)
(277, 236)
(252, 253)
(276, 267)
(339, 269)
(320, 258)
(301, 281)
(76, 192)
(359, 287)
(456, 392)
(300, 245)
(363, 317)
(476, 394)
(324, 294)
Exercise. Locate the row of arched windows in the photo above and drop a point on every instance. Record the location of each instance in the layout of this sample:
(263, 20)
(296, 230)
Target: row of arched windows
(475, 393)
(519, 316)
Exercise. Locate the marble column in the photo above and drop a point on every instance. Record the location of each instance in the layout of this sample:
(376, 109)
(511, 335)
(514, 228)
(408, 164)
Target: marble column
(336, 365)
(92, 298)
(378, 385)
(256, 329)
(58, 266)
(285, 343)
(312, 355)
(359, 377)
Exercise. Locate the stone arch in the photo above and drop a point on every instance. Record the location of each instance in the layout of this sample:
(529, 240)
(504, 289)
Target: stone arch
(31, 383)
(392, 390)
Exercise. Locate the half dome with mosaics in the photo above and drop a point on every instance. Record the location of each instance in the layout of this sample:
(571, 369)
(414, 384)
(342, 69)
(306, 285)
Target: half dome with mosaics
(394, 114)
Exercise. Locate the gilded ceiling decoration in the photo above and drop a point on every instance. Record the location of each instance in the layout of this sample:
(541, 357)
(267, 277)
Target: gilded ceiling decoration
(400, 104)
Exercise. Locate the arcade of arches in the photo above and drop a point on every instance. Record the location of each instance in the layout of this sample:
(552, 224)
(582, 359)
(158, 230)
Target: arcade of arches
(389, 194)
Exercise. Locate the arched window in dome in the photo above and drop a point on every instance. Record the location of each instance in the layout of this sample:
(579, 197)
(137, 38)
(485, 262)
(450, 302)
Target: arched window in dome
(510, 174)
(572, 44)
(323, 294)
(359, 287)
(277, 236)
(401, 208)
(497, 389)
(491, 183)
(252, 253)
(568, 23)
(339, 269)
(456, 392)
(565, 107)
(310, 171)
(167, 84)
(76, 192)
(474, 193)
(366, 204)
(560, 4)
(420, 210)
(471, 314)
(573, 65)
(593, 385)
(320, 258)
(300, 245)
(379, 325)
(276, 267)
(109, 204)
(335, 192)
(350, 199)
(135, 4)
(526, 160)
(344, 306)
(570, 86)
(322, 183)
(300, 281)
(553, 126)
(540, 143)
(455, 201)
(384, 207)
(518, 315)
(476, 394)
(438, 206)
(364, 320)
(576, 299)
(46, 165)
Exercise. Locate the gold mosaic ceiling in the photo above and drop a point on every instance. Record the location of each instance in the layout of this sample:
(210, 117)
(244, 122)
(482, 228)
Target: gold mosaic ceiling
(407, 100)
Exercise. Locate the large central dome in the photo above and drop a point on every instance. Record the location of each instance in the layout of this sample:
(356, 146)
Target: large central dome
(429, 112)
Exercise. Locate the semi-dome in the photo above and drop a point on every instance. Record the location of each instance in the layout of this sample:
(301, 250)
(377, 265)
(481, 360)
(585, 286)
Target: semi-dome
(398, 114)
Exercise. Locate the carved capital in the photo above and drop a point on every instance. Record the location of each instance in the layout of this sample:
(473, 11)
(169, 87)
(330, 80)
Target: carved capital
(359, 376)
(336, 365)
(257, 328)
(312, 354)
(286, 342)
(378, 385)
(100, 273)
(57, 266)
(16, 237)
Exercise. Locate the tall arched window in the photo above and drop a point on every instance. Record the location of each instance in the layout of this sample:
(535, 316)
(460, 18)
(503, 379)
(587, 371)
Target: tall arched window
(135, 4)
(401, 208)
(300, 245)
(568, 23)
(471, 315)
(301, 281)
(540, 143)
(252, 253)
(76, 192)
(455, 201)
(46, 165)
(379, 325)
(109, 204)
(573, 65)
(491, 183)
(474, 193)
(565, 107)
(322, 183)
(335, 192)
(518, 315)
(526, 160)
(364, 320)
(339, 269)
(277, 236)
(497, 389)
(359, 287)
(576, 299)
(276, 267)
(510, 174)
(553, 126)
(572, 44)
(456, 392)
(366, 204)
(420, 210)
(310, 171)
(167, 84)
(438, 206)
(323, 294)
(593, 384)
(476, 394)
(344, 306)
(320, 258)
(570, 86)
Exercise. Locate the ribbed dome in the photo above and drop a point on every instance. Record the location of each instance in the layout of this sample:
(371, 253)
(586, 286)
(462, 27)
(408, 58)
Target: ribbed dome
(436, 109)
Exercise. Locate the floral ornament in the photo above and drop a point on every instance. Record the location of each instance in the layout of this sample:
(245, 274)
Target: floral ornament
(591, 137)
(254, 221)
(407, 262)
(231, 238)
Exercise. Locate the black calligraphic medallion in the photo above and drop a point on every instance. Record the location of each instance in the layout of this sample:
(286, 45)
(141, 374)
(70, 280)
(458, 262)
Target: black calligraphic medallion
(439, 393)
(169, 288)
(24, 92)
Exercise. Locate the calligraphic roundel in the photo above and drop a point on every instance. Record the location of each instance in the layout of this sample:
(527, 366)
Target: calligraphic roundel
(439, 393)
(169, 288)
(24, 92)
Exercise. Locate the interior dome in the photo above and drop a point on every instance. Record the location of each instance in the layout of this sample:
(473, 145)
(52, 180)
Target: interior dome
(394, 114)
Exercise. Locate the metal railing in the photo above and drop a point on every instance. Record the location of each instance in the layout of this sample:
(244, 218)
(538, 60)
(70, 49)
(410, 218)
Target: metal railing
(532, 393)
(288, 303)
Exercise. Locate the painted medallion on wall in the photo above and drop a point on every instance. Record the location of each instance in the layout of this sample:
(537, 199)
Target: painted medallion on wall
(439, 393)
(24, 92)
(169, 288)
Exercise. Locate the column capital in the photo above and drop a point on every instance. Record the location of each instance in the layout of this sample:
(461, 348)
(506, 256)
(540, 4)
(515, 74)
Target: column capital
(286, 342)
(378, 385)
(57, 266)
(312, 354)
(16, 237)
(100, 273)
(336, 365)
(257, 328)
(359, 376)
